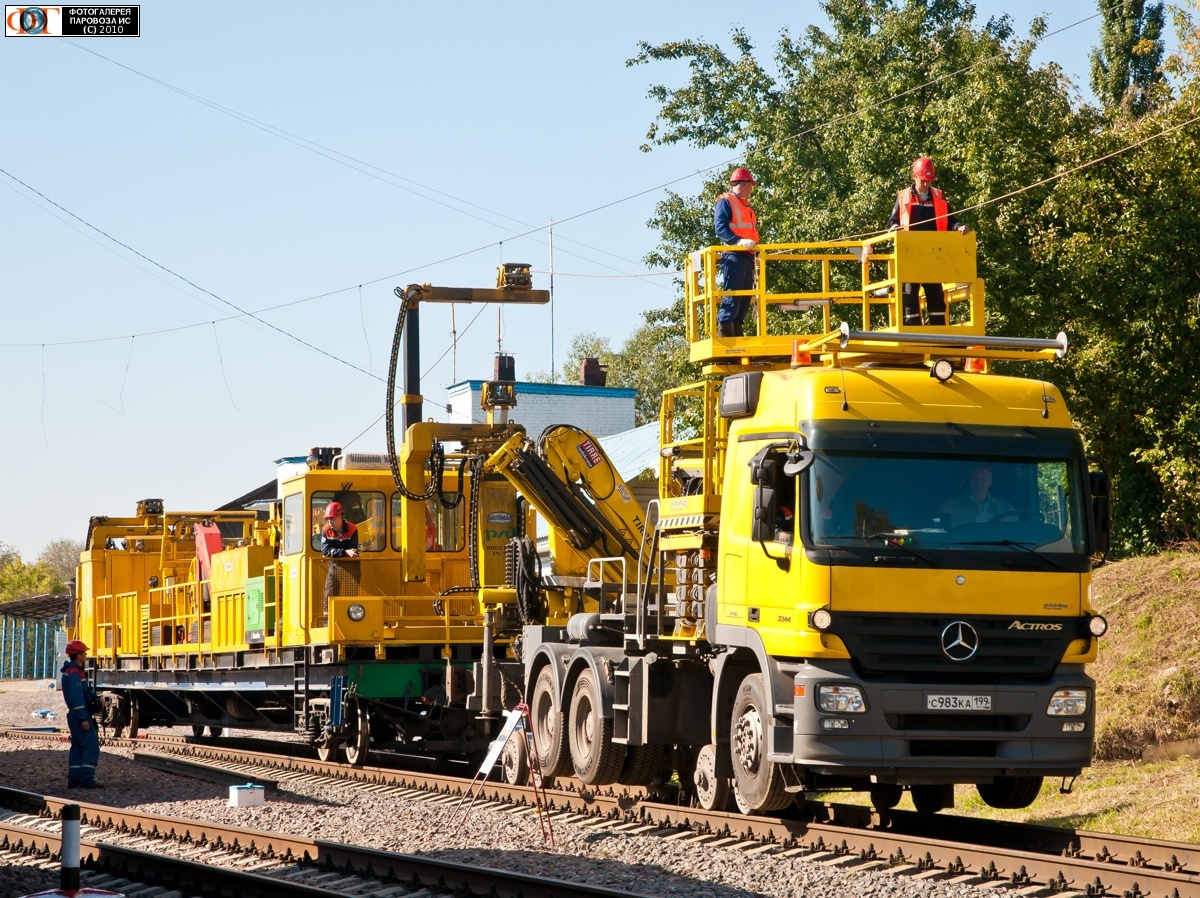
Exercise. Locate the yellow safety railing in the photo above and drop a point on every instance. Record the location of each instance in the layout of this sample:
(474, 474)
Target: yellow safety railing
(805, 290)
(693, 438)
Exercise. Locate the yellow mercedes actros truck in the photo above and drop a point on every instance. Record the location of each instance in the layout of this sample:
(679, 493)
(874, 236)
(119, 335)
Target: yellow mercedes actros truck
(870, 565)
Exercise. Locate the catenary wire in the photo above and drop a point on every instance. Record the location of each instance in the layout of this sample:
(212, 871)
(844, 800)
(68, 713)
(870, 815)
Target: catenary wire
(349, 161)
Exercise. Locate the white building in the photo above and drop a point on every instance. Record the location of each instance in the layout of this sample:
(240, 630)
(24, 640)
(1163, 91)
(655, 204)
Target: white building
(601, 411)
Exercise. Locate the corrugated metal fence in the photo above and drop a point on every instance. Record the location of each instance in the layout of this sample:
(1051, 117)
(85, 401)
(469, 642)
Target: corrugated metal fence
(30, 649)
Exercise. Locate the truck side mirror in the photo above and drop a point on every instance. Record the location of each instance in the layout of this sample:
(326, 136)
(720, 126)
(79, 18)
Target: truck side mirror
(1098, 487)
(763, 474)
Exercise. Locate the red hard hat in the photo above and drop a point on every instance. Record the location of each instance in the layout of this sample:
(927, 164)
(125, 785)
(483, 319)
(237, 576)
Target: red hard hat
(74, 647)
(333, 509)
(923, 169)
(741, 174)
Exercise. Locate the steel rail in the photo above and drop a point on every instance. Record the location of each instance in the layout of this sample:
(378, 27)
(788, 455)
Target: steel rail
(351, 860)
(1062, 859)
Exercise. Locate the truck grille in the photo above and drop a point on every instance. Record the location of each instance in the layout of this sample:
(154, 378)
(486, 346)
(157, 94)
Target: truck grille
(909, 648)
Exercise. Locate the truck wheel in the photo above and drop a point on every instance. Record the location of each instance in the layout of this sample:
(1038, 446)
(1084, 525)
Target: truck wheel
(886, 796)
(712, 791)
(358, 746)
(1010, 791)
(549, 726)
(758, 783)
(514, 759)
(931, 799)
(642, 764)
(597, 759)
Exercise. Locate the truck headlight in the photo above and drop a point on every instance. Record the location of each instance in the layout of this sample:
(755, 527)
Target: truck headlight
(356, 612)
(1068, 703)
(841, 700)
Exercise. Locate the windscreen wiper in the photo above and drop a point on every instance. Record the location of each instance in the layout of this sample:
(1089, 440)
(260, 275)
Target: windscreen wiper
(1011, 543)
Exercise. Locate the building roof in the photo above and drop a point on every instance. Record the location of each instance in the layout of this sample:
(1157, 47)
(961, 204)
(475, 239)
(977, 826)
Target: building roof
(529, 388)
(634, 452)
(47, 607)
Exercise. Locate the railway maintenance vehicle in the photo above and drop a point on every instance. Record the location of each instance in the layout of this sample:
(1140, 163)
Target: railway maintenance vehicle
(822, 598)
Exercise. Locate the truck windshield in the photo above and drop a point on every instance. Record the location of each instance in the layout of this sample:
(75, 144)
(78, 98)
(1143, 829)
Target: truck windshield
(951, 503)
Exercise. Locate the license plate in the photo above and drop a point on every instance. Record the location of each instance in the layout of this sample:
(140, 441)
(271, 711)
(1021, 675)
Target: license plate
(958, 703)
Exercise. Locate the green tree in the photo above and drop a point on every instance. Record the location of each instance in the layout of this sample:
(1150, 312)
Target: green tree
(19, 580)
(1118, 243)
(1127, 66)
(832, 130)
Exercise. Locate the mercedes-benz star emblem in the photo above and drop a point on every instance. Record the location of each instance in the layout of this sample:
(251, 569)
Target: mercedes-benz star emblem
(960, 642)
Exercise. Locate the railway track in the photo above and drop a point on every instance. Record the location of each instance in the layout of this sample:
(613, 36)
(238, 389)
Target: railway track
(121, 846)
(943, 847)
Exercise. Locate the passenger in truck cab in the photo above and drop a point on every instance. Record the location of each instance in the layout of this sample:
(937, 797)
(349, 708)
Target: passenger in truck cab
(974, 502)
(923, 207)
(339, 540)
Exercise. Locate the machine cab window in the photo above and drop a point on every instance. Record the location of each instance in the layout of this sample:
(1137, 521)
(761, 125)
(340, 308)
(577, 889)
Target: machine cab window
(363, 508)
(443, 526)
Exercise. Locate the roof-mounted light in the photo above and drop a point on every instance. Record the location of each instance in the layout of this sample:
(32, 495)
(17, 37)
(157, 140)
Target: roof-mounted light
(942, 369)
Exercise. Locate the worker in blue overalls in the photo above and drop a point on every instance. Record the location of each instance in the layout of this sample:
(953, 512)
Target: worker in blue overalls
(81, 702)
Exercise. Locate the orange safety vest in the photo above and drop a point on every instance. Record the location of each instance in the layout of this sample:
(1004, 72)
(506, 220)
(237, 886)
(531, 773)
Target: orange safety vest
(743, 222)
(941, 210)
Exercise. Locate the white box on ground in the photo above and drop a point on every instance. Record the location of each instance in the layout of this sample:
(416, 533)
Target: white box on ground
(246, 796)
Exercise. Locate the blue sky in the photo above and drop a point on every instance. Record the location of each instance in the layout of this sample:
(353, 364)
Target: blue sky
(471, 124)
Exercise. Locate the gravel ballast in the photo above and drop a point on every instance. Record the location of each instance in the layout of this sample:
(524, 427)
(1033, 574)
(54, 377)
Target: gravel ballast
(645, 864)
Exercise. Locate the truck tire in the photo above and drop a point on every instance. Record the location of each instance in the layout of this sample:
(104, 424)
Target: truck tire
(549, 726)
(758, 783)
(596, 758)
(642, 764)
(931, 799)
(1010, 791)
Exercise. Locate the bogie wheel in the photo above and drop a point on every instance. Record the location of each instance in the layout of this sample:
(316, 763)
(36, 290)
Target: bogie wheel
(198, 731)
(514, 759)
(358, 746)
(216, 732)
(757, 782)
(549, 726)
(327, 749)
(643, 763)
(597, 759)
(128, 726)
(886, 796)
(1010, 791)
(931, 799)
(712, 791)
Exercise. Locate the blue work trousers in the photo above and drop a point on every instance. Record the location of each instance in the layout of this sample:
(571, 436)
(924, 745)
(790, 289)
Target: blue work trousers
(84, 753)
(737, 273)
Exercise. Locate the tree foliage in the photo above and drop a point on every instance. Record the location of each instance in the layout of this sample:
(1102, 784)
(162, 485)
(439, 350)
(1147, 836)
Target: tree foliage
(1119, 245)
(1127, 66)
(831, 123)
(62, 557)
(19, 580)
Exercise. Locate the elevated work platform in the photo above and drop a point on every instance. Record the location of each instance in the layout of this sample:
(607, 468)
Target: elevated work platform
(807, 295)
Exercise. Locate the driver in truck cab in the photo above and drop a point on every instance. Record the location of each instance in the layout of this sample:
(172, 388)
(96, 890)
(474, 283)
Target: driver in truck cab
(974, 502)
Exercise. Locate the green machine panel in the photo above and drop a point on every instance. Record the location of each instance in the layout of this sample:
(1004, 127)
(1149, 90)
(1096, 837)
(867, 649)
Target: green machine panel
(260, 607)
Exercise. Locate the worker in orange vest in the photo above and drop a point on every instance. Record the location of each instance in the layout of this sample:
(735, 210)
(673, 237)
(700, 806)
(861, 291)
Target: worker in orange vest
(736, 225)
(923, 207)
